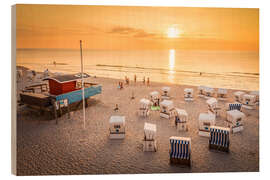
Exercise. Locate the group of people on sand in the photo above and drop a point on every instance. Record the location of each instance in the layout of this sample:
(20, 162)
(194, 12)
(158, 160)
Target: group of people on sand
(127, 81)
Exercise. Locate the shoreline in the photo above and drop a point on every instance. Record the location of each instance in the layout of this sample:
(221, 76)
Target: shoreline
(138, 81)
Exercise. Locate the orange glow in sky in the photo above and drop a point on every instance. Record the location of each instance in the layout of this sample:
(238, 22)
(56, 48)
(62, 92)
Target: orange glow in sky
(118, 27)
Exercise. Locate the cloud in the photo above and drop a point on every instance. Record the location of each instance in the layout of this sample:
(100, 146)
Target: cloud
(138, 33)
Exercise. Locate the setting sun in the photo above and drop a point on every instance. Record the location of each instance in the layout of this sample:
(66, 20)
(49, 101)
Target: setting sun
(173, 32)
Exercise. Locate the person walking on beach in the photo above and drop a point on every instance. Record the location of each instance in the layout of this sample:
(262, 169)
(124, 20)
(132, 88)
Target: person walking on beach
(116, 107)
(143, 79)
(132, 95)
(135, 78)
(126, 80)
(148, 81)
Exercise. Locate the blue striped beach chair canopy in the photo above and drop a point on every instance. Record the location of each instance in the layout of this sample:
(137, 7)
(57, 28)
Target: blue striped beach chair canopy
(180, 147)
(219, 136)
(233, 106)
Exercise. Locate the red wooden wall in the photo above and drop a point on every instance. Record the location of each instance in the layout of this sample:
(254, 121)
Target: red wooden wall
(60, 88)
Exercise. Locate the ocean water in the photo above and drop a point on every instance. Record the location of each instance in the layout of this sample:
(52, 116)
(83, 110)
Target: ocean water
(228, 69)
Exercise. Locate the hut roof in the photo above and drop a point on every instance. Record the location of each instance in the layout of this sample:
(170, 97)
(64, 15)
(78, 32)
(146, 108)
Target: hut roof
(67, 78)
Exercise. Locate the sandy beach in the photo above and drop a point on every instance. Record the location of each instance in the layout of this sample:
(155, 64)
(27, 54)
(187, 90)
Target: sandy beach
(44, 148)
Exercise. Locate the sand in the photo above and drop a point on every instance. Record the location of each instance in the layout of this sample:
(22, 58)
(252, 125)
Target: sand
(44, 148)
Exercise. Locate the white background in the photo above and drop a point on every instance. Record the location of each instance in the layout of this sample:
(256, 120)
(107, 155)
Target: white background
(5, 94)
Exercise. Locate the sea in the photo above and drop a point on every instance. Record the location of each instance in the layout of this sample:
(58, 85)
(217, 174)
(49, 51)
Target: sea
(218, 69)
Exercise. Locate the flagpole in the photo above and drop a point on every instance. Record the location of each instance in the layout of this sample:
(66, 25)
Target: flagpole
(82, 85)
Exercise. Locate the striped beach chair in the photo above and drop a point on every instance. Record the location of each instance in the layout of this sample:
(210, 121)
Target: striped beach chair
(233, 106)
(219, 138)
(180, 152)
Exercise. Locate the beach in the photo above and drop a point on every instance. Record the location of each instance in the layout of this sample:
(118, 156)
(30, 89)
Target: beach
(46, 148)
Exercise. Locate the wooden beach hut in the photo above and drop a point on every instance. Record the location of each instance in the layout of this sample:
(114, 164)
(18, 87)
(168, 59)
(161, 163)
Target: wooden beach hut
(62, 88)
(61, 84)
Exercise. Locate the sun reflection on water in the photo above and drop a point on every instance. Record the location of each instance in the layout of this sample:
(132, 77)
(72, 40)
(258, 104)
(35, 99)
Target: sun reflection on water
(171, 64)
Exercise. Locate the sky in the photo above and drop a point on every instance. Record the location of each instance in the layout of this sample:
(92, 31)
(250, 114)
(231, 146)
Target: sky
(134, 28)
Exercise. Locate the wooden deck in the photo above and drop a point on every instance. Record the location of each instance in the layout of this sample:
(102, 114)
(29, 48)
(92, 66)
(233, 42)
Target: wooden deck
(60, 104)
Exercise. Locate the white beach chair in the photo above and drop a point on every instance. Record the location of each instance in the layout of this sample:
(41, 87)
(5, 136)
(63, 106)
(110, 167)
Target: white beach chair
(180, 150)
(219, 138)
(222, 94)
(144, 107)
(238, 95)
(205, 121)
(188, 94)
(181, 119)
(166, 109)
(117, 127)
(201, 91)
(165, 93)
(257, 94)
(155, 98)
(235, 120)
(208, 92)
(249, 101)
(213, 106)
(149, 141)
